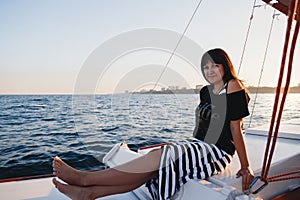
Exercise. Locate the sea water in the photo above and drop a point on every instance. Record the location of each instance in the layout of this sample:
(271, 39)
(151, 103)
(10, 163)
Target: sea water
(81, 129)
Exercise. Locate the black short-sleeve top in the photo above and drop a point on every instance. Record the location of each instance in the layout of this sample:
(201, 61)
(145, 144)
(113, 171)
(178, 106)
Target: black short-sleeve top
(214, 113)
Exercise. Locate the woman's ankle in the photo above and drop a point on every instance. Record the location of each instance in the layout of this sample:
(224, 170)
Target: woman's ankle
(83, 179)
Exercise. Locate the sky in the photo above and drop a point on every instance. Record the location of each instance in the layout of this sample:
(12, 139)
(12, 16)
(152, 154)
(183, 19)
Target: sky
(66, 46)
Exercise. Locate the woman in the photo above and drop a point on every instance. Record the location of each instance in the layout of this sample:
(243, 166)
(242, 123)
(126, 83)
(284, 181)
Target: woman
(219, 117)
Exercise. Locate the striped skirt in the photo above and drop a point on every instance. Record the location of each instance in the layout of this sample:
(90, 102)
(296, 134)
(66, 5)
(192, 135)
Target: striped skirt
(181, 162)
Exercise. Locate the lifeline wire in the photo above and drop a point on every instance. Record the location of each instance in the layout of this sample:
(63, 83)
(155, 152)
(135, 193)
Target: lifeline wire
(247, 35)
(183, 33)
(262, 67)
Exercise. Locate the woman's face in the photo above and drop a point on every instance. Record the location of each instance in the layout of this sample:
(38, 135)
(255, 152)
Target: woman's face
(213, 72)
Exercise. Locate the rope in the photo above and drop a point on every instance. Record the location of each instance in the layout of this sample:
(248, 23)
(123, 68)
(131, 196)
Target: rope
(269, 151)
(262, 66)
(283, 179)
(182, 35)
(247, 35)
(279, 176)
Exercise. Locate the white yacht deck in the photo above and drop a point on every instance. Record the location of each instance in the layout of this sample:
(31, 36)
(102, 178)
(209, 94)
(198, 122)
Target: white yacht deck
(286, 158)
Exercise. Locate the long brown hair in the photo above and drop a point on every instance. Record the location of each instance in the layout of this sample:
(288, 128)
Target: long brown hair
(219, 56)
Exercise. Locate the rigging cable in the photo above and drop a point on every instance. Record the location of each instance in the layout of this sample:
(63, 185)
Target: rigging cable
(181, 37)
(262, 67)
(247, 35)
(273, 134)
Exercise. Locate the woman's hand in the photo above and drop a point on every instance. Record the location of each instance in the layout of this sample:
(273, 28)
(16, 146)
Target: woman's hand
(247, 177)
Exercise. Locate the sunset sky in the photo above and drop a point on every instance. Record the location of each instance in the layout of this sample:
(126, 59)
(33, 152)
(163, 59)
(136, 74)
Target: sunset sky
(44, 45)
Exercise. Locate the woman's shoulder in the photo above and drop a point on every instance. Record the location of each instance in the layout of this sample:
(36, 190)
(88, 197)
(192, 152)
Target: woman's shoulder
(204, 92)
(234, 85)
(204, 88)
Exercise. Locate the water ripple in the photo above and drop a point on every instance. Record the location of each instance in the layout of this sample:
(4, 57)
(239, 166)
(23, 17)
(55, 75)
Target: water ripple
(35, 128)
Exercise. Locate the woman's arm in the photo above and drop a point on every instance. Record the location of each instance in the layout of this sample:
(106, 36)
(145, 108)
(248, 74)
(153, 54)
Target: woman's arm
(238, 139)
(239, 143)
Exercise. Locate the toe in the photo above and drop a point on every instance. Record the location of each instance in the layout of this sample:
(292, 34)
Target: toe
(54, 181)
(56, 158)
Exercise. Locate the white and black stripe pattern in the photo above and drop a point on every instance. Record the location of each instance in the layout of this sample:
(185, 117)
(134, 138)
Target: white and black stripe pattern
(204, 110)
(182, 162)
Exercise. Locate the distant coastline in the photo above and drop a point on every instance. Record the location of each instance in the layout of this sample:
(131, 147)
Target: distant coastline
(271, 90)
(252, 89)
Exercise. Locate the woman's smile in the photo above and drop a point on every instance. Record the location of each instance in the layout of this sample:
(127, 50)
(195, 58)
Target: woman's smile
(213, 72)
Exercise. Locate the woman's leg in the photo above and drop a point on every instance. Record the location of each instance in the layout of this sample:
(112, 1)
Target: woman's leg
(139, 170)
(92, 192)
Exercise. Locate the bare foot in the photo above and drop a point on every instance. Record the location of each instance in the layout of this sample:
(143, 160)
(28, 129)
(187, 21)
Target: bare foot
(74, 192)
(67, 173)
